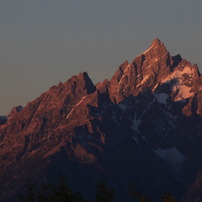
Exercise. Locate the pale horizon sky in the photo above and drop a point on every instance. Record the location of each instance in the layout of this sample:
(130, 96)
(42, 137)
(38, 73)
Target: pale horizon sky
(43, 42)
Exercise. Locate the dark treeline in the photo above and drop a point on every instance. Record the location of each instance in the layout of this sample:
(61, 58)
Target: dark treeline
(62, 193)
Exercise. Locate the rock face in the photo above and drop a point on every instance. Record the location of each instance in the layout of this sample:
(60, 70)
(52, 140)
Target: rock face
(144, 125)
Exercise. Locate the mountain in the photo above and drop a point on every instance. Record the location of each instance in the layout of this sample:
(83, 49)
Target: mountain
(144, 125)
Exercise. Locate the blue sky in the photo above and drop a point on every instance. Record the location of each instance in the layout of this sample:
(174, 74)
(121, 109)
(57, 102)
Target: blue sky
(43, 42)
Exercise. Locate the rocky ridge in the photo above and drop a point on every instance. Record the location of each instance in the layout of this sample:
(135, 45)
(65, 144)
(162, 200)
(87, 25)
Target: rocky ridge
(144, 124)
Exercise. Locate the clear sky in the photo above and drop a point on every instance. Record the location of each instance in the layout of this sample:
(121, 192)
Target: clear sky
(43, 42)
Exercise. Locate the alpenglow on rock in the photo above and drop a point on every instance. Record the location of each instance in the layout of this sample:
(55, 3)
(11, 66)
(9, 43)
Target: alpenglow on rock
(143, 125)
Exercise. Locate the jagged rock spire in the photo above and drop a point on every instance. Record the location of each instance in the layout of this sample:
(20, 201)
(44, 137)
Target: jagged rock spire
(157, 42)
(146, 70)
(157, 48)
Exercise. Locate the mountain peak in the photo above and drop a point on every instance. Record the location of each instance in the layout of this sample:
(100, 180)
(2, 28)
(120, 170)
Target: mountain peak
(157, 44)
(153, 105)
(156, 41)
(83, 75)
(156, 48)
(87, 81)
(82, 82)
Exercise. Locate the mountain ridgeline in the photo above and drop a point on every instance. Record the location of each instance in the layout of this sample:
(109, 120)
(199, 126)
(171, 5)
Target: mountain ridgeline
(144, 125)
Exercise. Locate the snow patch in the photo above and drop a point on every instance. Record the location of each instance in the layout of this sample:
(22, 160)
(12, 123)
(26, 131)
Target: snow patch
(183, 92)
(178, 74)
(148, 49)
(136, 124)
(96, 114)
(123, 75)
(153, 61)
(122, 106)
(127, 67)
(73, 108)
(161, 98)
(135, 139)
(143, 81)
(172, 156)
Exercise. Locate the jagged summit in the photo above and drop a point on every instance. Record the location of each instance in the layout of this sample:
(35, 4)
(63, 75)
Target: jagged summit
(157, 48)
(82, 82)
(152, 69)
(146, 70)
(157, 42)
(83, 76)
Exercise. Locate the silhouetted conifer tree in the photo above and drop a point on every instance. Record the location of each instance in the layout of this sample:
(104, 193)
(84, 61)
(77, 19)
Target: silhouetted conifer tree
(50, 193)
(136, 194)
(167, 197)
(103, 194)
